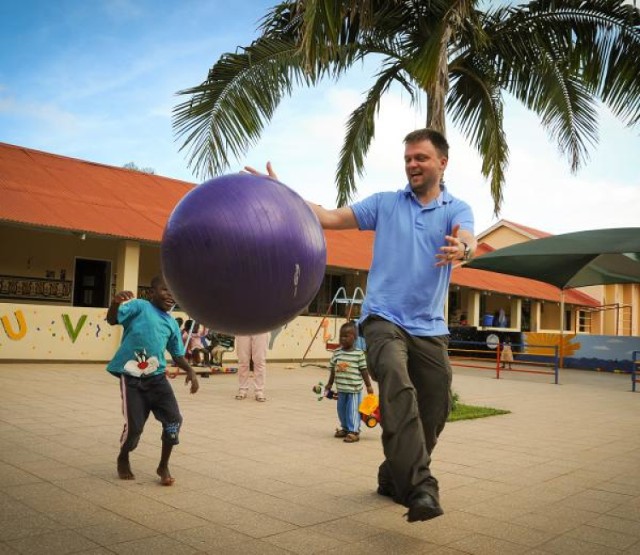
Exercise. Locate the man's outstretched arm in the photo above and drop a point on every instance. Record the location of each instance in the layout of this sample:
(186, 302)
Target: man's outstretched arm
(338, 218)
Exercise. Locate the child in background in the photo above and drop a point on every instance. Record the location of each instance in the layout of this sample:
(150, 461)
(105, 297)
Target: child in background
(506, 356)
(149, 330)
(192, 338)
(348, 367)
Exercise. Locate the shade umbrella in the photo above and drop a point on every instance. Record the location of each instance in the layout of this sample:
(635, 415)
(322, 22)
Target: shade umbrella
(579, 259)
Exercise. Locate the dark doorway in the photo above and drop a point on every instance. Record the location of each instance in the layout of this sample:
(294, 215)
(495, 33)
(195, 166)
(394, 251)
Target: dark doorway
(91, 283)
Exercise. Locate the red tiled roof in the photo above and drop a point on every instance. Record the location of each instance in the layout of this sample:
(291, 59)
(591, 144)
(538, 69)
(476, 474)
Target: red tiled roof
(349, 248)
(52, 191)
(538, 234)
(46, 190)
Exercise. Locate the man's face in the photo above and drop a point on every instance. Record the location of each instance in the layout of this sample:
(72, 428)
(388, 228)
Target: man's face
(162, 298)
(424, 166)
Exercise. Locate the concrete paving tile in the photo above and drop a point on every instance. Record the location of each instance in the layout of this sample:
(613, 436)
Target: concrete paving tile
(169, 521)
(22, 526)
(55, 543)
(12, 453)
(587, 503)
(345, 530)
(336, 506)
(602, 536)
(52, 471)
(10, 507)
(622, 486)
(390, 542)
(500, 508)
(88, 516)
(479, 544)
(451, 551)
(507, 531)
(250, 547)
(209, 537)
(303, 540)
(115, 531)
(156, 544)
(629, 510)
(300, 515)
(47, 498)
(94, 551)
(617, 524)
(556, 521)
(134, 507)
(567, 545)
(437, 531)
(258, 525)
(13, 476)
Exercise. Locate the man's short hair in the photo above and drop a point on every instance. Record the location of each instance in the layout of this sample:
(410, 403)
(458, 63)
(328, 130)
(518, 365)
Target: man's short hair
(156, 281)
(436, 138)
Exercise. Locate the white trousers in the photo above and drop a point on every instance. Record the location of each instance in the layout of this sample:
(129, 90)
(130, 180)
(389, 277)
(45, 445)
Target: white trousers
(252, 347)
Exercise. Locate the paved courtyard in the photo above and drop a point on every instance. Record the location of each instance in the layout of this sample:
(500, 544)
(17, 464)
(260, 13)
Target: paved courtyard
(559, 475)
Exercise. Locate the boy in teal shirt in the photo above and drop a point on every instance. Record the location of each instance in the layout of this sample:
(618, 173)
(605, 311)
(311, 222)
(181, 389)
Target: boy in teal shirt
(140, 364)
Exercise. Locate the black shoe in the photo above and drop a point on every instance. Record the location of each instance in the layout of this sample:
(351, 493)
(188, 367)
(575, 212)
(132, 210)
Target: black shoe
(385, 490)
(424, 507)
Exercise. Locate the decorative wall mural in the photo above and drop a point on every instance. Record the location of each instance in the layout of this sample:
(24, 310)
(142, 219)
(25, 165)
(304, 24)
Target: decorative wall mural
(536, 342)
(71, 330)
(8, 328)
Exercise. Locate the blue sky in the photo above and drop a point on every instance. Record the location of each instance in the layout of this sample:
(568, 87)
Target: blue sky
(97, 80)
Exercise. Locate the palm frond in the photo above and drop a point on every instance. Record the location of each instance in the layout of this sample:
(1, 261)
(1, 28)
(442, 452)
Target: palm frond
(476, 106)
(558, 58)
(227, 112)
(361, 130)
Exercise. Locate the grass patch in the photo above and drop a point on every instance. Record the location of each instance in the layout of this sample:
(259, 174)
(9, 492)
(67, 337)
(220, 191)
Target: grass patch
(469, 412)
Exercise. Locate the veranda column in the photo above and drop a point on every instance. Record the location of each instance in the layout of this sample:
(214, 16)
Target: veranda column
(128, 266)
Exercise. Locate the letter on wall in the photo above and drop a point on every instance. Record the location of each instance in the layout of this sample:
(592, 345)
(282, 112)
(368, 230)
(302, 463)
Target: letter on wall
(22, 326)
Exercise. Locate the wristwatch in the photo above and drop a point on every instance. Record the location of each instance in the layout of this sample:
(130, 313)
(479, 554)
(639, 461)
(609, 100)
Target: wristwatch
(467, 251)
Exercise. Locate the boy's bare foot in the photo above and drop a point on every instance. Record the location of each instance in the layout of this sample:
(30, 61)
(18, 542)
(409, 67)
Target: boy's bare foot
(165, 476)
(124, 469)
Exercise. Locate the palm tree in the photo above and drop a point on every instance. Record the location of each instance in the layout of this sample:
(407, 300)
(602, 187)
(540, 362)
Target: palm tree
(560, 58)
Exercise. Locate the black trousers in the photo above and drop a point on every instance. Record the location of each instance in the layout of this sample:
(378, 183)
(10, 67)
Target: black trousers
(414, 380)
(141, 396)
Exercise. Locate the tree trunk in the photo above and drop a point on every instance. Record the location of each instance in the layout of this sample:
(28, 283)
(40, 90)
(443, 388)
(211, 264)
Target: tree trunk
(437, 92)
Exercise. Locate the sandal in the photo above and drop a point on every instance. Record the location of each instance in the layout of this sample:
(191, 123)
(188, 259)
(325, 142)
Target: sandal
(260, 397)
(351, 437)
(341, 433)
(241, 395)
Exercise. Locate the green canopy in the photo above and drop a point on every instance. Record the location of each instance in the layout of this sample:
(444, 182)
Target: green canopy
(593, 257)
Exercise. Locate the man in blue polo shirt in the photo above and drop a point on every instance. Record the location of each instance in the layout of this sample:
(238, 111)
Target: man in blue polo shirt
(419, 231)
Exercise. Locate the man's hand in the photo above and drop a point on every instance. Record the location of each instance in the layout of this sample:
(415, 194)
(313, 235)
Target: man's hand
(453, 250)
(270, 173)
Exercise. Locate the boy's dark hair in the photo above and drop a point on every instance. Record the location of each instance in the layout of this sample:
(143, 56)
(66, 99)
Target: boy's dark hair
(436, 138)
(188, 325)
(156, 281)
(350, 326)
(179, 321)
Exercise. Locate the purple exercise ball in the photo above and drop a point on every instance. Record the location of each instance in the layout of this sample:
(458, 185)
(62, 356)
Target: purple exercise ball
(243, 254)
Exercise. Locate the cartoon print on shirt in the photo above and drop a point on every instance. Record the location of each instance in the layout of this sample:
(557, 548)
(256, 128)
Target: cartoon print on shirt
(142, 365)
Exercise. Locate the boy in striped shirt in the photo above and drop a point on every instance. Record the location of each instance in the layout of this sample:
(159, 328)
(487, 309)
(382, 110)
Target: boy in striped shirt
(348, 367)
